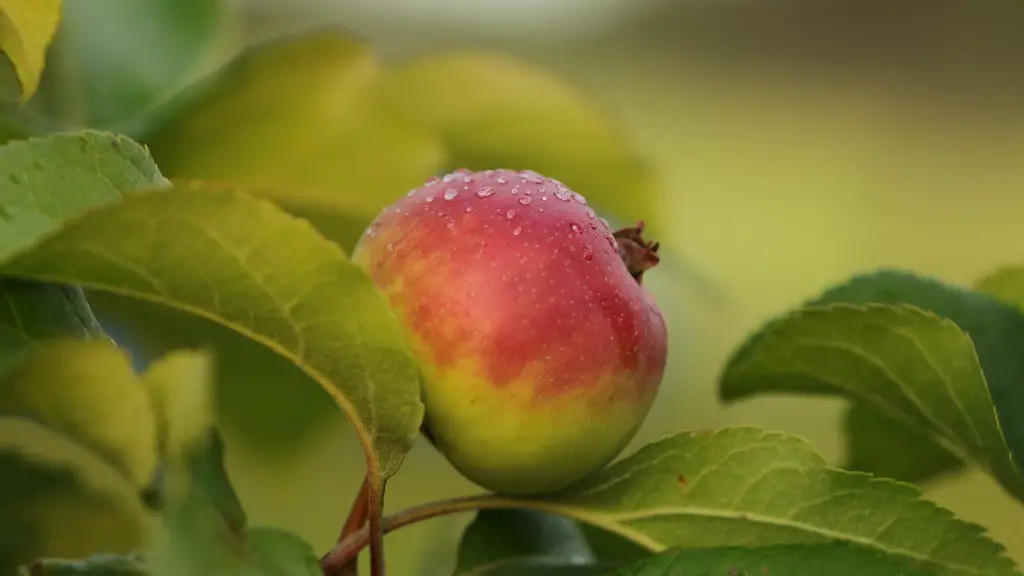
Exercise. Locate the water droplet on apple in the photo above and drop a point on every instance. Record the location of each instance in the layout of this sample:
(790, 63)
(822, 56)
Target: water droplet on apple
(451, 224)
(576, 228)
(501, 180)
(517, 230)
(469, 208)
(450, 194)
(588, 255)
(510, 214)
(391, 247)
(531, 176)
(590, 214)
(430, 198)
(605, 222)
(524, 200)
(579, 198)
(562, 195)
(484, 192)
(433, 180)
(413, 191)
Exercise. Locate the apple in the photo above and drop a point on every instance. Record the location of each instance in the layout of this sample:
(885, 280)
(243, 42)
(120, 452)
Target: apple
(541, 350)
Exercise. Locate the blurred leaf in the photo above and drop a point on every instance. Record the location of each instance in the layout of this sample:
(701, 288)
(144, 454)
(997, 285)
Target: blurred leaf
(294, 120)
(1005, 283)
(242, 262)
(32, 312)
(97, 565)
(538, 566)
(26, 30)
(274, 552)
(493, 111)
(499, 535)
(750, 487)
(946, 384)
(252, 383)
(612, 548)
(180, 384)
(205, 522)
(886, 447)
(799, 560)
(113, 61)
(88, 391)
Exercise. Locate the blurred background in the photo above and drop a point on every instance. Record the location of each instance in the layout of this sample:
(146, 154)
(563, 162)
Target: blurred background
(775, 147)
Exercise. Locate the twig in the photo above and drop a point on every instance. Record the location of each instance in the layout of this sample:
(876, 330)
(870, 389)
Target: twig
(375, 500)
(356, 519)
(349, 548)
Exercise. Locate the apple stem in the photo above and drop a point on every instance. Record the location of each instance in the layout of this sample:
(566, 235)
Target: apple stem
(637, 254)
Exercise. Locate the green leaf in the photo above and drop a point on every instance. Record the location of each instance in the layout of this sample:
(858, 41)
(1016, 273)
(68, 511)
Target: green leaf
(26, 30)
(244, 263)
(275, 552)
(499, 535)
(940, 372)
(538, 566)
(494, 111)
(181, 385)
(295, 120)
(32, 312)
(794, 560)
(609, 547)
(88, 391)
(1005, 283)
(750, 487)
(114, 81)
(48, 179)
(96, 565)
(886, 447)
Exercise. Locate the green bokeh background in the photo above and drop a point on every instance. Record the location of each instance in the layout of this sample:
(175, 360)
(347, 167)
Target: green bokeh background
(795, 143)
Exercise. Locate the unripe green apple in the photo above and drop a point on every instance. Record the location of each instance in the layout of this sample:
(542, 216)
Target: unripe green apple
(541, 351)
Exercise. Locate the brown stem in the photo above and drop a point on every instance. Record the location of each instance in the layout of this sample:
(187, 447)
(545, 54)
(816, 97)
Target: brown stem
(376, 530)
(349, 547)
(637, 254)
(356, 518)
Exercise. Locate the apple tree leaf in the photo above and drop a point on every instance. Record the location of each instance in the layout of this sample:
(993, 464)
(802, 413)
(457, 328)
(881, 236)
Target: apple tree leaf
(1005, 283)
(495, 111)
(71, 476)
(496, 536)
(113, 62)
(26, 30)
(886, 447)
(785, 560)
(95, 565)
(244, 263)
(753, 488)
(937, 358)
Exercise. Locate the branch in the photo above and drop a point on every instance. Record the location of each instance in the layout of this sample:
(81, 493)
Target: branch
(350, 547)
(356, 519)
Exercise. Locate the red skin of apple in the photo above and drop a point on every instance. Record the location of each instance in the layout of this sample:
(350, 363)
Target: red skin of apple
(541, 351)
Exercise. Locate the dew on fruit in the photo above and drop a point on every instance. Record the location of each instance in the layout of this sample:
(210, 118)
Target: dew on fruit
(590, 214)
(510, 214)
(531, 176)
(543, 197)
(562, 195)
(467, 179)
(576, 228)
(517, 230)
(450, 177)
(515, 190)
(450, 224)
(469, 208)
(450, 194)
(605, 222)
(488, 173)
(593, 225)
(433, 180)
(391, 247)
(413, 191)
(501, 180)
(588, 255)
(524, 200)
(484, 192)
(430, 198)
(579, 198)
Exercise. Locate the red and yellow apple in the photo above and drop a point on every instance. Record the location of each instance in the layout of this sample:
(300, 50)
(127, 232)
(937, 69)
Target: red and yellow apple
(541, 350)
